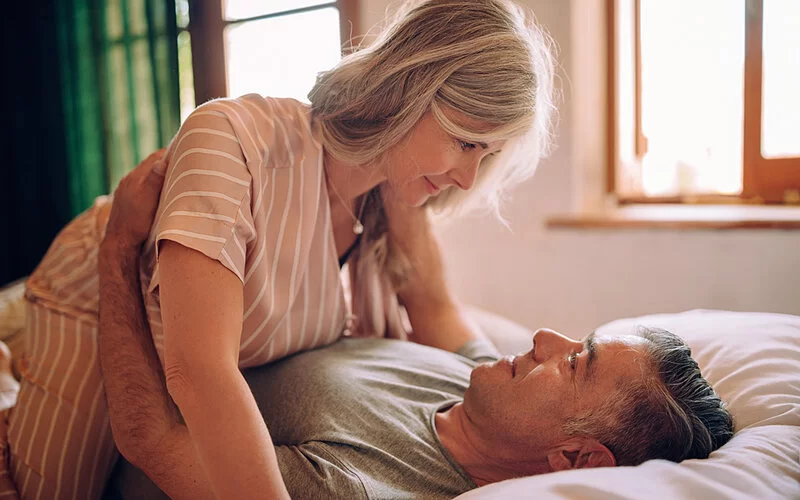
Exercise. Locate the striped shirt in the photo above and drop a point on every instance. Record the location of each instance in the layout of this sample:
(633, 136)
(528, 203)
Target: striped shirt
(246, 186)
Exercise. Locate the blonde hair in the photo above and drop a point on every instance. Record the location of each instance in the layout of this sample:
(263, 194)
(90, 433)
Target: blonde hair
(486, 59)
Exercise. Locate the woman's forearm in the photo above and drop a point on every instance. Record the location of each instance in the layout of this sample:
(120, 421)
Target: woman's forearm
(143, 419)
(201, 308)
(444, 326)
(227, 430)
(435, 315)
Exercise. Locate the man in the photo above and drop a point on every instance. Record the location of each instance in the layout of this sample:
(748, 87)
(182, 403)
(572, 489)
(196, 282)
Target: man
(376, 418)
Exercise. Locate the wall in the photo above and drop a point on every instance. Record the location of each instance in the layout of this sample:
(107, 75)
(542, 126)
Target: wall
(575, 280)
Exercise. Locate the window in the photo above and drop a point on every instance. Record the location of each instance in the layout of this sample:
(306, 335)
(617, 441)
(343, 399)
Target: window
(275, 48)
(703, 99)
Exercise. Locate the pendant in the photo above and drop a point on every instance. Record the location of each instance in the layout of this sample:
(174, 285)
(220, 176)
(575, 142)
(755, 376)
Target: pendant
(358, 227)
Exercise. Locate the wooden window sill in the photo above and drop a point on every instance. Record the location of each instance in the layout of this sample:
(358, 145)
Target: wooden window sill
(683, 217)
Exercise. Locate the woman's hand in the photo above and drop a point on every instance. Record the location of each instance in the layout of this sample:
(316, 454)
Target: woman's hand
(135, 202)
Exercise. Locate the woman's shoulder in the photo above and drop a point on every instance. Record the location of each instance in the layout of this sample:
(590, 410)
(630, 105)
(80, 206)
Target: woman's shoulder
(256, 110)
(278, 126)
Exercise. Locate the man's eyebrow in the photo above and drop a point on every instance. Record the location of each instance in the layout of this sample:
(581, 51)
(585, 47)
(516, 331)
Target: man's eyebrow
(591, 348)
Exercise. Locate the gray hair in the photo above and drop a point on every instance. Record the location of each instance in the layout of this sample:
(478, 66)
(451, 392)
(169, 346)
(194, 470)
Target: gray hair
(486, 59)
(675, 415)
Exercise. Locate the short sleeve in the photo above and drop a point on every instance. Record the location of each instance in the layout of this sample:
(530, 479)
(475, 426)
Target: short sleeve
(310, 471)
(205, 203)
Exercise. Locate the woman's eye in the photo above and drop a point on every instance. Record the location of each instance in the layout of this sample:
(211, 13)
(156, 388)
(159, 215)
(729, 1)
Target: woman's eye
(466, 146)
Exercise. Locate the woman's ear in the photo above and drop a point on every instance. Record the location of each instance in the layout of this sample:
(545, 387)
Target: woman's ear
(580, 453)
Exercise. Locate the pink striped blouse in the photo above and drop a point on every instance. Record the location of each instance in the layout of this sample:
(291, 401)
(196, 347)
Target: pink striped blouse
(246, 186)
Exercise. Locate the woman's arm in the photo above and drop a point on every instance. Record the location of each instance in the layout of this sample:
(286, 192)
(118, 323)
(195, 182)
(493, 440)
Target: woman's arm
(436, 317)
(204, 224)
(238, 451)
(202, 304)
(145, 425)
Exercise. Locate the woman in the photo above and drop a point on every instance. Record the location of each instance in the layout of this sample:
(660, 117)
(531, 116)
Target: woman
(264, 200)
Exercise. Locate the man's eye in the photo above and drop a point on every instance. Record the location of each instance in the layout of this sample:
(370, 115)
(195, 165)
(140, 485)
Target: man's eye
(573, 360)
(466, 146)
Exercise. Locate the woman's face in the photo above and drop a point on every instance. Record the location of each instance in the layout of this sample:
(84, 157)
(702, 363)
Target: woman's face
(429, 160)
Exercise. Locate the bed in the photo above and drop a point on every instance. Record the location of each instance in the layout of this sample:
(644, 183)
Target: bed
(752, 359)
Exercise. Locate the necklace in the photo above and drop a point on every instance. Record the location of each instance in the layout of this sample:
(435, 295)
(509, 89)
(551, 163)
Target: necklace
(358, 227)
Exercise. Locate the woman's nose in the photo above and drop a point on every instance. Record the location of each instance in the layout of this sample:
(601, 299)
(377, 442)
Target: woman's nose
(465, 178)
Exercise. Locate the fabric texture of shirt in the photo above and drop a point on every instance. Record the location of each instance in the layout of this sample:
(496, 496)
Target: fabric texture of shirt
(358, 420)
(246, 186)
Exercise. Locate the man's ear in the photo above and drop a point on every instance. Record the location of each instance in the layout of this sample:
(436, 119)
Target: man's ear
(580, 453)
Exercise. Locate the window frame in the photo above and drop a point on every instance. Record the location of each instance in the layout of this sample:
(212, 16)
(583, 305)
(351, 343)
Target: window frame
(207, 32)
(764, 180)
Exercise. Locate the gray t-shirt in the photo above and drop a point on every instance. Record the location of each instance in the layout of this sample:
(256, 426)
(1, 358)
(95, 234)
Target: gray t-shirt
(356, 420)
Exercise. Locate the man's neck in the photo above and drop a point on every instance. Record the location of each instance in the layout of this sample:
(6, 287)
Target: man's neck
(483, 460)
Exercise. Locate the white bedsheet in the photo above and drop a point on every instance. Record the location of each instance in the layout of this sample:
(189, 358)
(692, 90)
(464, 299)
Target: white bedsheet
(753, 361)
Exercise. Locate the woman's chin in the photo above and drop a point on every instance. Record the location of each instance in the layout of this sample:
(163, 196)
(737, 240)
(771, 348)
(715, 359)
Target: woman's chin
(413, 199)
(410, 197)
(419, 201)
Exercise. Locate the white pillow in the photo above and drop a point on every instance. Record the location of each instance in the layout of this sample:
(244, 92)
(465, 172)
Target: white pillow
(753, 361)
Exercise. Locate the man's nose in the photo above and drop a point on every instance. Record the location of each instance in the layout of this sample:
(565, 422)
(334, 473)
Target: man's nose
(465, 178)
(548, 343)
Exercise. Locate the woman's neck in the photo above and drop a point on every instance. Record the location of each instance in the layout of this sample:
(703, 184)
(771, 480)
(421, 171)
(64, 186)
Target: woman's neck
(348, 181)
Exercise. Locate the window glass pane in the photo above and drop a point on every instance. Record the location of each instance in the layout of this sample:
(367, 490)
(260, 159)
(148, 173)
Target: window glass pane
(692, 87)
(268, 58)
(182, 13)
(242, 9)
(781, 79)
(185, 75)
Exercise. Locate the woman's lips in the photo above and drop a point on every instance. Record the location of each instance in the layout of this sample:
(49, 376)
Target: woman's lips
(432, 188)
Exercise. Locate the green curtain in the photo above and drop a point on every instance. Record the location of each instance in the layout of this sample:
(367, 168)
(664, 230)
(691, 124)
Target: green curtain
(90, 88)
(118, 76)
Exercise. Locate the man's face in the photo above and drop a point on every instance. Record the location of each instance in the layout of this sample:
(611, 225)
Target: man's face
(526, 399)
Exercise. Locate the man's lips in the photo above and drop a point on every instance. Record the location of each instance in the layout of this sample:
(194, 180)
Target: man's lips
(511, 361)
(432, 188)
